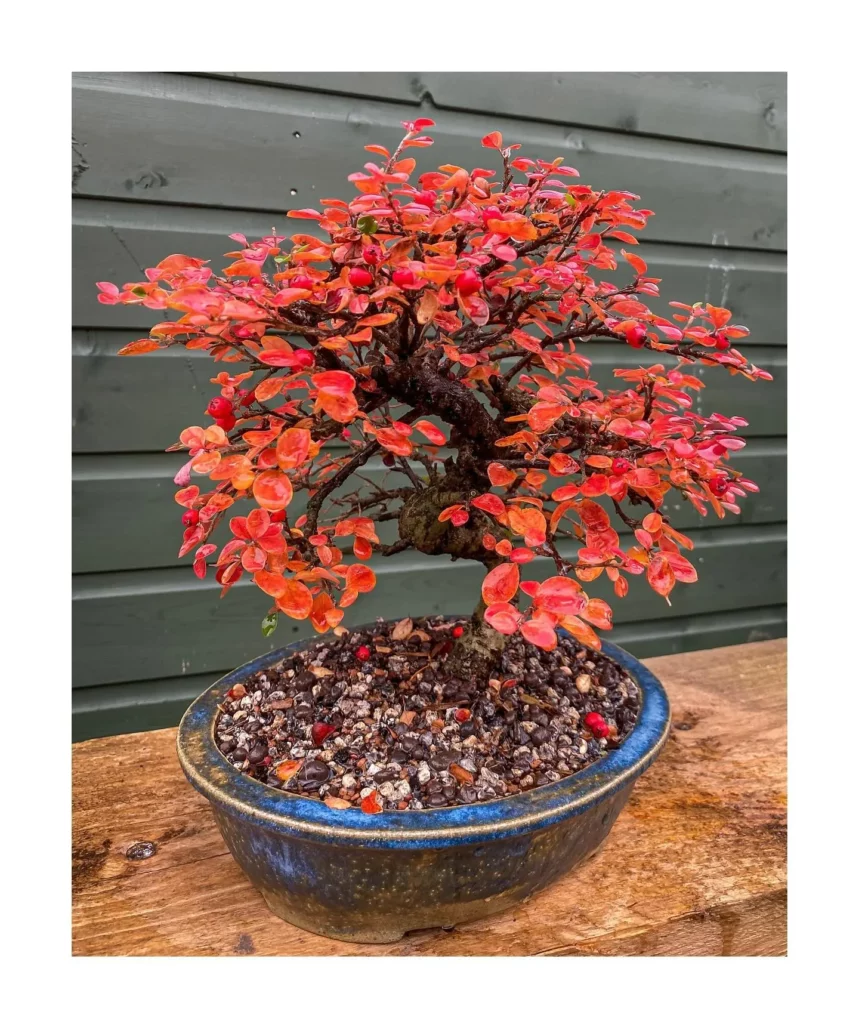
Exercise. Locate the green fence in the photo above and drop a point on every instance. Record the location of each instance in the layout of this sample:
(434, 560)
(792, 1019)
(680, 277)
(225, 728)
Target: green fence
(175, 163)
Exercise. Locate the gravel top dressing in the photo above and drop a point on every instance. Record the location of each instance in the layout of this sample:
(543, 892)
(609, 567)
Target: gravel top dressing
(371, 720)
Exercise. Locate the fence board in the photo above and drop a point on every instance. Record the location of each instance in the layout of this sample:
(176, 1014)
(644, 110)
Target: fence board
(113, 241)
(115, 407)
(177, 162)
(155, 704)
(124, 516)
(735, 108)
(180, 139)
(165, 622)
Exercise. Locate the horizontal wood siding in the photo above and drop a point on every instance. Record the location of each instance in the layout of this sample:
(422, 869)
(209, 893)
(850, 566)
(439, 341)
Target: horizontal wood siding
(176, 162)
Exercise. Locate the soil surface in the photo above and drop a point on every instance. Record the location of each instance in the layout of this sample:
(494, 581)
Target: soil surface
(371, 720)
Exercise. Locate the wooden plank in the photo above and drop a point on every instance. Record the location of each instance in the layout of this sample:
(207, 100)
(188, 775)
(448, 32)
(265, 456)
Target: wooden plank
(157, 703)
(161, 138)
(747, 108)
(113, 396)
(113, 241)
(695, 866)
(165, 622)
(124, 516)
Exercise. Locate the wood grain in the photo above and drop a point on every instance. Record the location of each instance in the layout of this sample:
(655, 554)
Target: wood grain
(695, 865)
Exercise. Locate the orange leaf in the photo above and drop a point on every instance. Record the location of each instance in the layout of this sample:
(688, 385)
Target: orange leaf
(273, 490)
(293, 448)
(296, 601)
(598, 613)
(137, 348)
(360, 578)
(268, 388)
(500, 476)
(501, 584)
(271, 583)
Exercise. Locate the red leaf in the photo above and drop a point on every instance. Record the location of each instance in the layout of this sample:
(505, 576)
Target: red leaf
(660, 575)
(188, 496)
(431, 432)
(560, 595)
(371, 804)
(540, 631)
(490, 503)
(503, 617)
(319, 732)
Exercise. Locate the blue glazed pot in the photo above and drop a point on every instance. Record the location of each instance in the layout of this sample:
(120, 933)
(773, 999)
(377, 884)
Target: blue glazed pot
(372, 878)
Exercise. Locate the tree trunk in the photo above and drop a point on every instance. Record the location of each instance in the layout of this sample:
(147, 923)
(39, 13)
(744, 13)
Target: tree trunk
(477, 653)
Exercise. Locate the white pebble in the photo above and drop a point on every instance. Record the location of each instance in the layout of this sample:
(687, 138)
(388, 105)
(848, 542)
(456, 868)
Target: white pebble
(424, 773)
(583, 683)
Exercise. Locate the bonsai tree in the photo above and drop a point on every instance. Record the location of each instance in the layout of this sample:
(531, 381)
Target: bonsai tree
(440, 325)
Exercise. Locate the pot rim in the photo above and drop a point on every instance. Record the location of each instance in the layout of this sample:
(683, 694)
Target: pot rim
(239, 795)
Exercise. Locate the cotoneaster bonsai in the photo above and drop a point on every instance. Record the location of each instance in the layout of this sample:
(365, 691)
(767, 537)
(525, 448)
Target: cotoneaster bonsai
(435, 326)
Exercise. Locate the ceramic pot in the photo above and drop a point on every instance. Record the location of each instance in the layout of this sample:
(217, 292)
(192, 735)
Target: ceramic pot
(373, 877)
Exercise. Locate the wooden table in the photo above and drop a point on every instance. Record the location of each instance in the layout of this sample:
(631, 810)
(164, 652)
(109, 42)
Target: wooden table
(695, 865)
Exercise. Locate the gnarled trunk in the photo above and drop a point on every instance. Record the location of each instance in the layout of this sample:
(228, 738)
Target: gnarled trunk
(478, 651)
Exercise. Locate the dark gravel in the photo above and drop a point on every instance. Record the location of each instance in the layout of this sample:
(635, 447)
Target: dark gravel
(395, 732)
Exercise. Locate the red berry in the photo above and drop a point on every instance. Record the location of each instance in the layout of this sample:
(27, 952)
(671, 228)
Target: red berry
(388, 460)
(319, 732)
(247, 398)
(722, 341)
(219, 407)
(457, 632)
(363, 653)
(468, 283)
(191, 517)
(620, 466)
(636, 335)
(403, 277)
(360, 278)
(226, 422)
(462, 714)
(719, 485)
(302, 281)
(597, 724)
(426, 198)
(279, 516)
(372, 254)
(237, 692)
